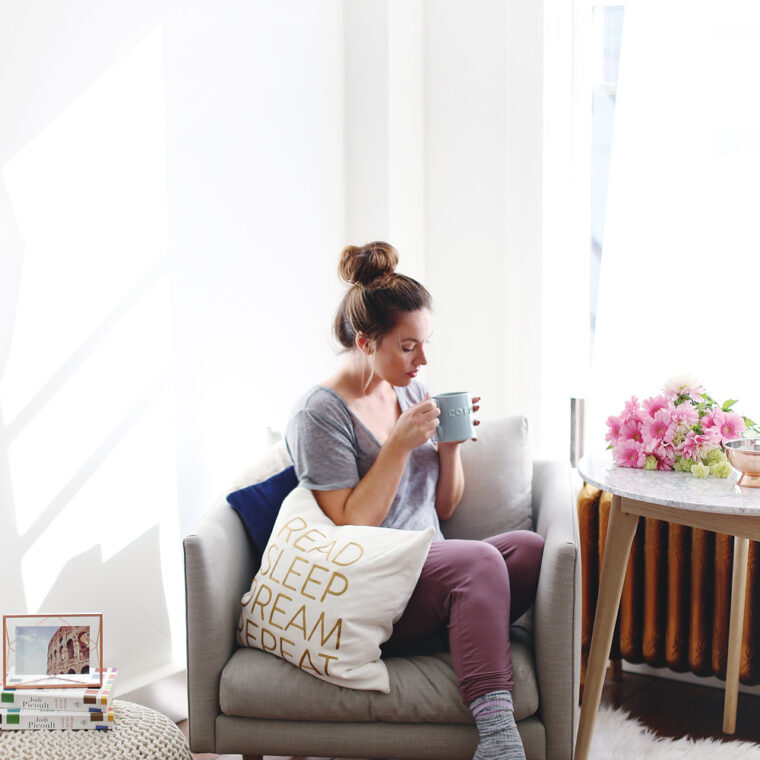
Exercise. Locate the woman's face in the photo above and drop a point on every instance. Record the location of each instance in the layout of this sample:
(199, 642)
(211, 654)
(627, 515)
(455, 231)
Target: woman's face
(401, 352)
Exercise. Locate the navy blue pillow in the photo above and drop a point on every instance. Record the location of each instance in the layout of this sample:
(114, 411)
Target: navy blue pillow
(258, 505)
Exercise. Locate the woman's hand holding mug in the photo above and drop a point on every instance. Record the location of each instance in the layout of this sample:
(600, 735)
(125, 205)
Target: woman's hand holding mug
(416, 424)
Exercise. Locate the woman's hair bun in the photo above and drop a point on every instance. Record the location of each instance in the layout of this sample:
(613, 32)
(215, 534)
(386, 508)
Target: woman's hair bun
(362, 265)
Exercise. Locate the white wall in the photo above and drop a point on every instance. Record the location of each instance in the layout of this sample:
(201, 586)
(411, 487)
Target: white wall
(173, 198)
(466, 197)
(257, 174)
(503, 261)
(385, 127)
(446, 157)
(172, 201)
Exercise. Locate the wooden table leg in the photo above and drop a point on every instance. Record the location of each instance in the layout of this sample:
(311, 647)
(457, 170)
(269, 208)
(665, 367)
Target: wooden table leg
(736, 623)
(620, 532)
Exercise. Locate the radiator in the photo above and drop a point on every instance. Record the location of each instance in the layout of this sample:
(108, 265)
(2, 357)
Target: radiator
(676, 599)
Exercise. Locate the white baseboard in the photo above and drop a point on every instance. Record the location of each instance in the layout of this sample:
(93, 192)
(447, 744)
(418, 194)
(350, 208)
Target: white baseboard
(712, 681)
(163, 689)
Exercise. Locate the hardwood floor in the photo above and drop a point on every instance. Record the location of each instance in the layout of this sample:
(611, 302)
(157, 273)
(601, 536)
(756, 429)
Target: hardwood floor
(670, 708)
(675, 709)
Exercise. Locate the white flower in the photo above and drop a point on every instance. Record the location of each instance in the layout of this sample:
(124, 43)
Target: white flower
(681, 382)
(684, 385)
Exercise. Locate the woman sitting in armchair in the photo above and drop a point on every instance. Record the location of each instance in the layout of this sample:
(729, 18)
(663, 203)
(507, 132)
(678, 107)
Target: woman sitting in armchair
(361, 441)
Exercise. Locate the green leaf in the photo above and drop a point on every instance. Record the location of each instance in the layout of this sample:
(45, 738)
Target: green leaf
(728, 404)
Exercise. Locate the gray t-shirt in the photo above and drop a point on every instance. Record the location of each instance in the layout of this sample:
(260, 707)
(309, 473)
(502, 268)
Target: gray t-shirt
(331, 448)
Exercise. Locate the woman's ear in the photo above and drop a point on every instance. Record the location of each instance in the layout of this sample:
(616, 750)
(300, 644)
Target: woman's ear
(364, 344)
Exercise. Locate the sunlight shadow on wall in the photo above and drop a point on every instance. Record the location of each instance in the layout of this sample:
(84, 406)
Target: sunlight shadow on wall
(145, 624)
(86, 393)
(11, 246)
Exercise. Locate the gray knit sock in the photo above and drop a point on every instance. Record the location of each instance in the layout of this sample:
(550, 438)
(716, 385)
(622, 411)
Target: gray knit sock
(495, 719)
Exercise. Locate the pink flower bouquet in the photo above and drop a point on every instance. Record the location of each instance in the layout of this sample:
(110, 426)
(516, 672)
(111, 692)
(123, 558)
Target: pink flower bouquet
(681, 429)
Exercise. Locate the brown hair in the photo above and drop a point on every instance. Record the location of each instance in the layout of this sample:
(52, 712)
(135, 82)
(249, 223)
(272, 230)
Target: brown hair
(377, 295)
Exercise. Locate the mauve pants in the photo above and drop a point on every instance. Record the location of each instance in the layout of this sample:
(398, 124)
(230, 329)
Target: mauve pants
(478, 588)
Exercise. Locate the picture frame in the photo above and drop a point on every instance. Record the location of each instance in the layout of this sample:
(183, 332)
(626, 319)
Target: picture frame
(62, 651)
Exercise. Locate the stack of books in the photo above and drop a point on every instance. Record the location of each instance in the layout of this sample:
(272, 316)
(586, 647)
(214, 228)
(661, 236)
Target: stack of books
(87, 708)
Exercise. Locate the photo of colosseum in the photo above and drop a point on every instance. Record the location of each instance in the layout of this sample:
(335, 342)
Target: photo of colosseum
(69, 650)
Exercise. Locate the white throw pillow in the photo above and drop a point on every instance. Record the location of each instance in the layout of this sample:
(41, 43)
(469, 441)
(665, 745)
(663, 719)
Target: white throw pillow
(326, 596)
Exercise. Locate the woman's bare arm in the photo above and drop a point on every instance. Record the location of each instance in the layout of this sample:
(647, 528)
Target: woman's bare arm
(450, 487)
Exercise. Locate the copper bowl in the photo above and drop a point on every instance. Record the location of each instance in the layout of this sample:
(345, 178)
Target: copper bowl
(744, 455)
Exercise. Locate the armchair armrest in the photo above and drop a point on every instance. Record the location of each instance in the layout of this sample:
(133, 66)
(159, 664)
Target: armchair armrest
(558, 606)
(219, 565)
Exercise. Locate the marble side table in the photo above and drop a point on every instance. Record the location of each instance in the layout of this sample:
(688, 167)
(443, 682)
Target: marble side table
(715, 504)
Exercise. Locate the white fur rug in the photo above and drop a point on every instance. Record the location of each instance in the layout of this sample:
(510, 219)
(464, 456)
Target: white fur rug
(617, 736)
(620, 737)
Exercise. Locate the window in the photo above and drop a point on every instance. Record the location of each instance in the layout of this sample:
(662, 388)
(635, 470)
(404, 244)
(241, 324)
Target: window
(675, 188)
(607, 22)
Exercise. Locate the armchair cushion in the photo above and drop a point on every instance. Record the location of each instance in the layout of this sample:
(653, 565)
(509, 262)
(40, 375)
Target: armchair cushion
(498, 491)
(423, 689)
(326, 596)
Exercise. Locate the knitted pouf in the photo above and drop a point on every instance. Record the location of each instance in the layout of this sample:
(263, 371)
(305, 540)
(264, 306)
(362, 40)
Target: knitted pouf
(138, 733)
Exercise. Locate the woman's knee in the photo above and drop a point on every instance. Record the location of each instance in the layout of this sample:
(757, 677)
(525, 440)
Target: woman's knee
(532, 544)
(480, 559)
(525, 562)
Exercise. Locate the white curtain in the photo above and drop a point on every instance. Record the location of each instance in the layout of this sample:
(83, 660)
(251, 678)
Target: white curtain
(680, 271)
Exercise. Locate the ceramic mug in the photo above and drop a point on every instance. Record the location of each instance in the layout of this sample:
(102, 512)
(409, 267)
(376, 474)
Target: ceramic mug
(456, 422)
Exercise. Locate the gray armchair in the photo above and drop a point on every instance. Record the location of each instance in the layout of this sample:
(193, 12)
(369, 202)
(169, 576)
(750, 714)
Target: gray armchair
(247, 701)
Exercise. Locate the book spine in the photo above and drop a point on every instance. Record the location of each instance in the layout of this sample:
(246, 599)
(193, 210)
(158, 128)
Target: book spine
(46, 704)
(17, 720)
